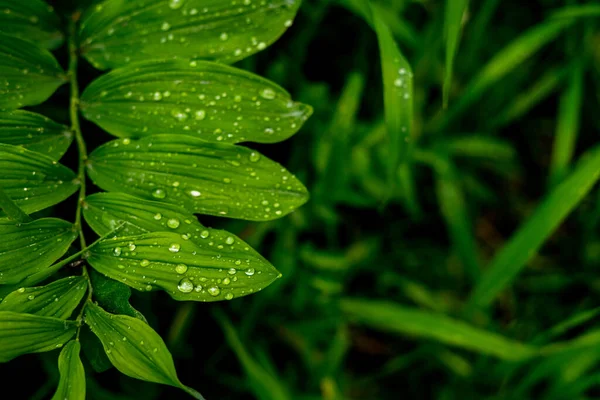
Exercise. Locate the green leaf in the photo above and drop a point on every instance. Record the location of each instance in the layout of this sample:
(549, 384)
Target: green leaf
(391, 317)
(32, 180)
(26, 333)
(29, 249)
(577, 11)
(12, 211)
(34, 132)
(117, 32)
(134, 348)
(210, 101)
(29, 74)
(455, 10)
(206, 269)
(202, 177)
(72, 376)
(58, 299)
(113, 296)
(523, 245)
(32, 20)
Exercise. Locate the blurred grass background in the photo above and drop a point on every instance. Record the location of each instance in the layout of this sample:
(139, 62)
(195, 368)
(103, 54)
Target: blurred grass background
(467, 271)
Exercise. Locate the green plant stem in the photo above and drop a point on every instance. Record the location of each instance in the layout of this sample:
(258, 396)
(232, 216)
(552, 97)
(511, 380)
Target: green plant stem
(76, 128)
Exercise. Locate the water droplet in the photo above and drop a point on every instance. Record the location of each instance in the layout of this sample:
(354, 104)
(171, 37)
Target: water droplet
(200, 115)
(165, 26)
(224, 36)
(174, 248)
(195, 193)
(181, 269)
(229, 240)
(179, 115)
(157, 96)
(204, 234)
(232, 271)
(159, 194)
(185, 285)
(148, 289)
(226, 281)
(213, 291)
(31, 297)
(268, 94)
(254, 156)
(173, 223)
(175, 4)
(229, 296)
(144, 263)
(158, 216)
(250, 271)
(117, 251)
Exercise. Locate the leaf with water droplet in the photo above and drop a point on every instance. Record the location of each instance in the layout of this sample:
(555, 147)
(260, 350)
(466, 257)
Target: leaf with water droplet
(58, 299)
(32, 180)
(217, 179)
(28, 74)
(210, 101)
(72, 375)
(134, 348)
(32, 20)
(121, 31)
(34, 132)
(26, 333)
(29, 249)
(213, 268)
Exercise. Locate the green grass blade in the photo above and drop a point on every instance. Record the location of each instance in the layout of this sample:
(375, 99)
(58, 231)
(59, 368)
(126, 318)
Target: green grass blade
(455, 10)
(550, 213)
(391, 317)
(578, 11)
(569, 115)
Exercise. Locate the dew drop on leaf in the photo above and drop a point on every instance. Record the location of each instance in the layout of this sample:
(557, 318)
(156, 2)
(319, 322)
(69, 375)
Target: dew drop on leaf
(185, 285)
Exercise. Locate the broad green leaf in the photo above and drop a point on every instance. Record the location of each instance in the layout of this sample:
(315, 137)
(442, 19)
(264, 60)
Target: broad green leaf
(26, 333)
(32, 180)
(206, 269)
(210, 101)
(392, 317)
(34, 132)
(202, 177)
(72, 376)
(134, 348)
(29, 249)
(32, 20)
(58, 299)
(455, 10)
(524, 244)
(117, 32)
(113, 296)
(29, 74)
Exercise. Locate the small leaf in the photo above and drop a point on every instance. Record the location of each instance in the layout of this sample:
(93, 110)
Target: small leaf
(32, 20)
(29, 249)
(117, 32)
(58, 299)
(455, 10)
(34, 132)
(72, 376)
(184, 269)
(113, 296)
(134, 348)
(26, 333)
(29, 74)
(206, 100)
(202, 177)
(32, 180)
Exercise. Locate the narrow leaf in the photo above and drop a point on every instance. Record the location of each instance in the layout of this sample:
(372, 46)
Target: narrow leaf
(58, 299)
(32, 180)
(29, 249)
(134, 348)
(523, 245)
(455, 10)
(34, 132)
(32, 20)
(117, 32)
(202, 177)
(29, 74)
(391, 317)
(26, 333)
(578, 11)
(72, 376)
(12, 211)
(200, 270)
(210, 101)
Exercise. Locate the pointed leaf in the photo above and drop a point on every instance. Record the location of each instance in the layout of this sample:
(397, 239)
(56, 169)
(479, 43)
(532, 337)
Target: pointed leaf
(58, 299)
(202, 177)
(26, 333)
(134, 348)
(72, 376)
(32, 20)
(34, 132)
(455, 10)
(210, 101)
(32, 180)
(31, 248)
(117, 32)
(29, 74)
(184, 269)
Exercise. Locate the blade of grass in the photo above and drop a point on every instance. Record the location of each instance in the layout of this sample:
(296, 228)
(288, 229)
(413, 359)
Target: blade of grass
(523, 245)
(455, 10)
(391, 317)
(577, 11)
